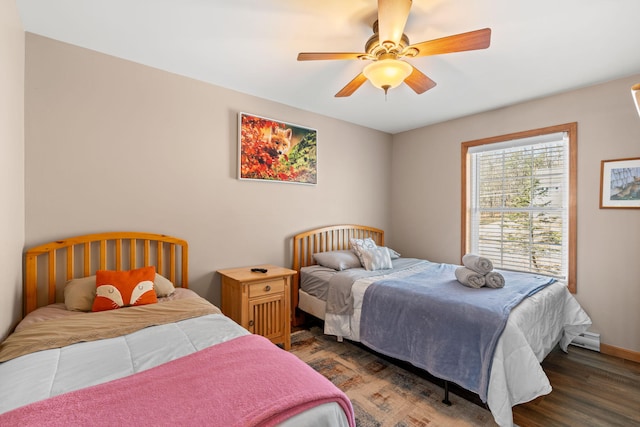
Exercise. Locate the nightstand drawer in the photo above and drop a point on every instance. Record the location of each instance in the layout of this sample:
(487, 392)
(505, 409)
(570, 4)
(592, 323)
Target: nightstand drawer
(267, 287)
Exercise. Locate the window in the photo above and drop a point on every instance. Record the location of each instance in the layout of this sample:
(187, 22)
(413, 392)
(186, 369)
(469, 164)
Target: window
(519, 201)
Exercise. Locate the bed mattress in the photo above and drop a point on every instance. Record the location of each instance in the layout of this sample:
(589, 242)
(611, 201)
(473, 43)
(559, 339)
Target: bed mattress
(549, 317)
(43, 374)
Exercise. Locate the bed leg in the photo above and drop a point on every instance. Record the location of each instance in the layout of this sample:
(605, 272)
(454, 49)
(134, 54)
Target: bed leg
(446, 400)
(340, 339)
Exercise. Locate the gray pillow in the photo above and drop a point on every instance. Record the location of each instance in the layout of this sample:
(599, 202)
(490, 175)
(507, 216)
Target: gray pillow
(338, 260)
(393, 254)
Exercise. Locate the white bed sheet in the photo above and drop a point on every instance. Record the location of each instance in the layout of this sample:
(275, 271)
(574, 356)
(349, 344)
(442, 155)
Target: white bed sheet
(47, 373)
(534, 327)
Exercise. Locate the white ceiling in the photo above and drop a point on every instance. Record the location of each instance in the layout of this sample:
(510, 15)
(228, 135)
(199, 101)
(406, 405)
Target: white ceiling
(538, 48)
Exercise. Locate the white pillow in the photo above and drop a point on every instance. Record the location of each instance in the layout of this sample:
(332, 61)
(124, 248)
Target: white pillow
(163, 286)
(358, 245)
(376, 259)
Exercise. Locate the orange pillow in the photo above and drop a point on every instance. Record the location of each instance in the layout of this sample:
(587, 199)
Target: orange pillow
(115, 289)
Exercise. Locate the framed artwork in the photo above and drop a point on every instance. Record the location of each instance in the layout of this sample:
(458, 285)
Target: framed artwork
(620, 183)
(270, 150)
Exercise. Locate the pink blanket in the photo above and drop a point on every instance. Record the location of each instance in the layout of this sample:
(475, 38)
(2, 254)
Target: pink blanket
(246, 381)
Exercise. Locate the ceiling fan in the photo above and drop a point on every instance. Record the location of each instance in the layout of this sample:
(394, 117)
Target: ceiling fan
(389, 43)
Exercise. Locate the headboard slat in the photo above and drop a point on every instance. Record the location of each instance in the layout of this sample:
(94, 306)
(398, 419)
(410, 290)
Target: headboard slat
(185, 261)
(160, 257)
(49, 266)
(70, 264)
(118, 244)
(132, 254)
(31, 276)
(103, 255)
(146, 251)
(87, 259)
(172, 261)
(52, 277)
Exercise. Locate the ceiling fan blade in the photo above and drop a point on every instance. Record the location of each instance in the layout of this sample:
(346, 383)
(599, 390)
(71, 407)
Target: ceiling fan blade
(352, 86)
(392, 17)
(419, 82)
(479, 39)
(314, 56)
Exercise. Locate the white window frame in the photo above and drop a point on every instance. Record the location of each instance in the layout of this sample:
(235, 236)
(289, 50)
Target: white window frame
(526, 138)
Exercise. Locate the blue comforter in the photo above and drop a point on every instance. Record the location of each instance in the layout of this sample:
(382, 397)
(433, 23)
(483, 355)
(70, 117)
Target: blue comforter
(432, 321)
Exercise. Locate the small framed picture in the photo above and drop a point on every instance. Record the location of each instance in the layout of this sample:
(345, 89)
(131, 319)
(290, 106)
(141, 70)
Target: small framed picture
(271, 150)
(620, 184)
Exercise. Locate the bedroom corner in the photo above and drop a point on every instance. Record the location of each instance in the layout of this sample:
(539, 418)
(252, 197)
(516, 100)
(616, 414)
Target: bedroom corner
(12, 222)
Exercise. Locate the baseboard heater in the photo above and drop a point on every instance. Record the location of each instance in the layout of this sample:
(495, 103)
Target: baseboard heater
(589, 340)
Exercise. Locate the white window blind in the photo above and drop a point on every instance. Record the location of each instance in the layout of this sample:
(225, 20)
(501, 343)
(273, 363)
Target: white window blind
(519, 204)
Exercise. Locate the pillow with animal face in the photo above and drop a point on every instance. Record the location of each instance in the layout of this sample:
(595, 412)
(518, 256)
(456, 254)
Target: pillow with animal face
(116, 289)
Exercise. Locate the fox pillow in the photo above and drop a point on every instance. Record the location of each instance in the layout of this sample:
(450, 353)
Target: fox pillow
(116, 289)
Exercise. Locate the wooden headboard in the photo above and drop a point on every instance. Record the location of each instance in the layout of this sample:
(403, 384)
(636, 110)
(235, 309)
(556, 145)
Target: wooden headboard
(324, 239)
(49, 266)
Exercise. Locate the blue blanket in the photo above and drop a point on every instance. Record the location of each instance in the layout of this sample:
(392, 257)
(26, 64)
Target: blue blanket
(432, 321)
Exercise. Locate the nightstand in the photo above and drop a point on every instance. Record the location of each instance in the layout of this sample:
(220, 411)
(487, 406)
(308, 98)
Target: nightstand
(259, 302)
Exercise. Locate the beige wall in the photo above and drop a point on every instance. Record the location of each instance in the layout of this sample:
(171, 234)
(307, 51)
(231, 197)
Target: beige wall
(426, 195)
(11, 164)
(113, 145)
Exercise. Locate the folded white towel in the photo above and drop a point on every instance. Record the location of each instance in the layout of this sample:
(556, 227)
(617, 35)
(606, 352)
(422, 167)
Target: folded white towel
(494, 279)
(477, 263)
(469, 277)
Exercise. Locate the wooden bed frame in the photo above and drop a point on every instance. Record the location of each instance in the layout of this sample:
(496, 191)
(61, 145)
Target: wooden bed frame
(324, 239)
(50, 266)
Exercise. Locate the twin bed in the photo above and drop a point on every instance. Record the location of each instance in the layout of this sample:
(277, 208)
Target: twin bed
(179, 361)
(500, 363)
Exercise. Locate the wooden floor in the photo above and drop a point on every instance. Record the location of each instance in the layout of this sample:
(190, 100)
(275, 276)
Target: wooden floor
(589, 389)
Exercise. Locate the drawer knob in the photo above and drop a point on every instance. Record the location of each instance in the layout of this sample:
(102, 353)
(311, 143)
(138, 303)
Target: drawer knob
(267, 288)
(251, 322)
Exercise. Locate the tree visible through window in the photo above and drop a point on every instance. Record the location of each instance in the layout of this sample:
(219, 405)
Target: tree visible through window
(519, 193)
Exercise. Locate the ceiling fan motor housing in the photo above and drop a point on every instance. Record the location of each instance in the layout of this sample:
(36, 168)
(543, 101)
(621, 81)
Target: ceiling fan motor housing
(375, 48)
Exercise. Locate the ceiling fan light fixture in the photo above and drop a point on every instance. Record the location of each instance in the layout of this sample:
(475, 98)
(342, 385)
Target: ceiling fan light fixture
(387, 73)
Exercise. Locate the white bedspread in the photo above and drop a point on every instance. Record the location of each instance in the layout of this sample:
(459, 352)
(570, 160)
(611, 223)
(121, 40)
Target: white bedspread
(47, 373)
(535, 326)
